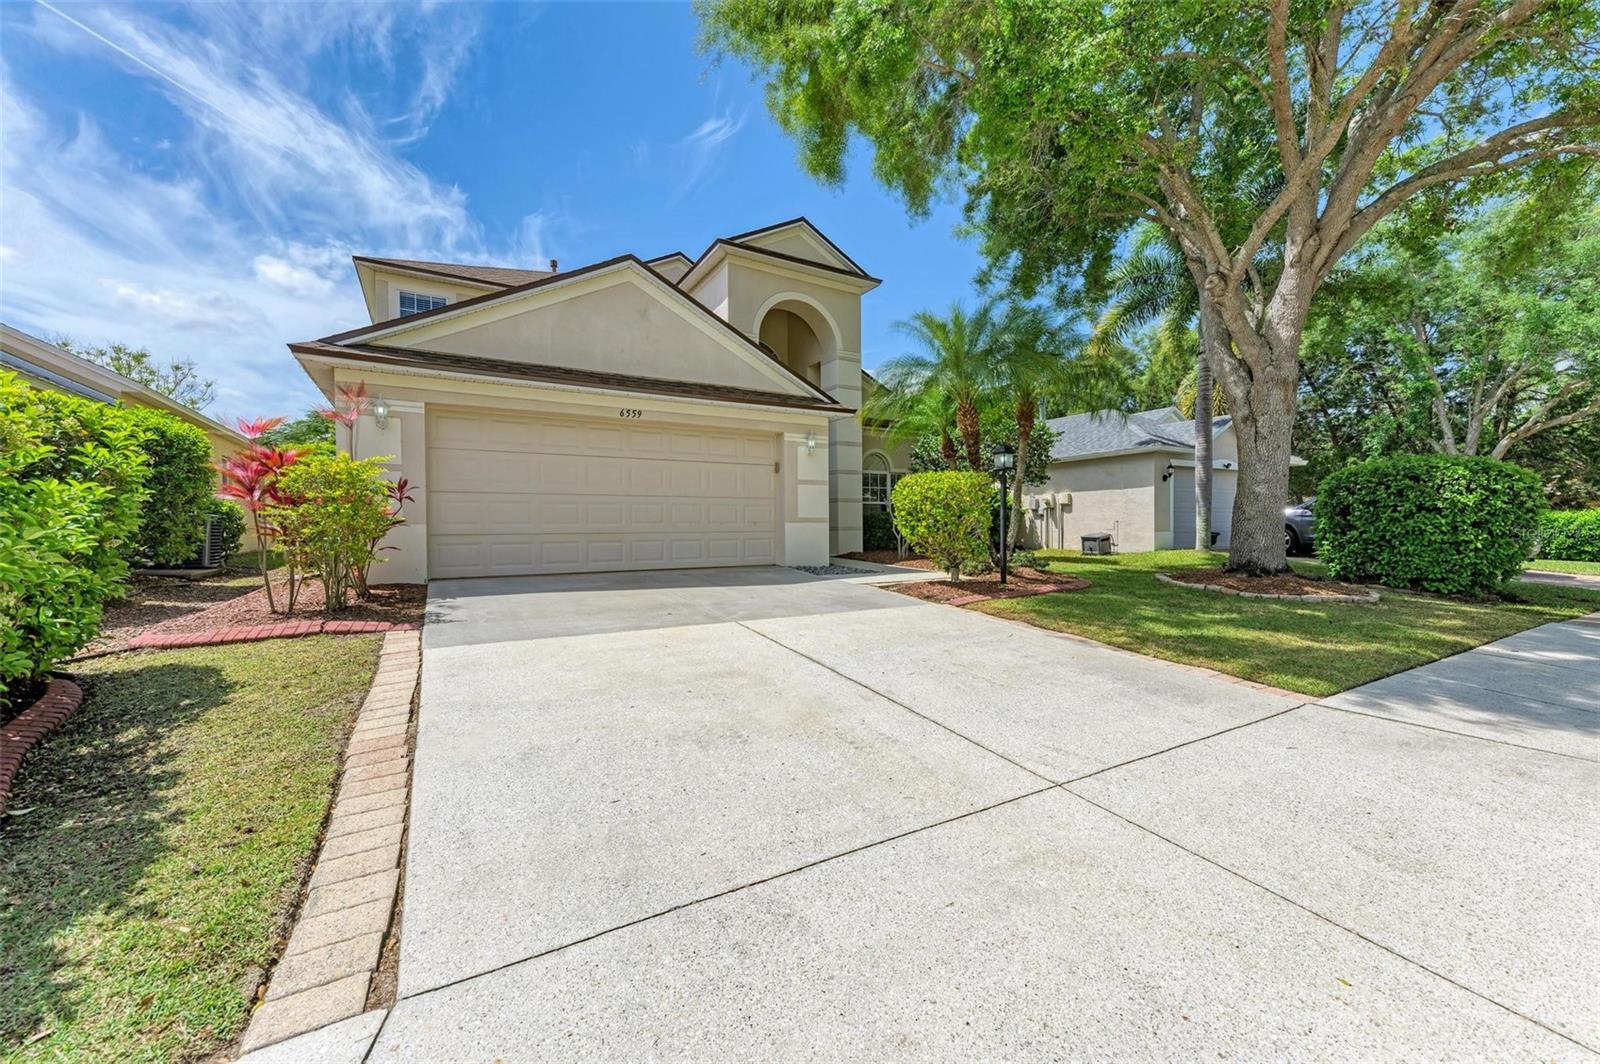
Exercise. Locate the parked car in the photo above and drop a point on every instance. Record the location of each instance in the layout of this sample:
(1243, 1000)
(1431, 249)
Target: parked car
(1297, 530)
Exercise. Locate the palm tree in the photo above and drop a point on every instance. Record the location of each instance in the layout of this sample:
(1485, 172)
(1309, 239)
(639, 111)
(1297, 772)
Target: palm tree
(1152, 284)
(952, 374)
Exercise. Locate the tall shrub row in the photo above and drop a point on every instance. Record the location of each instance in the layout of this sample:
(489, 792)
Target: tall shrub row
(72, 482)
(1433, 522)
(180, 486)
(1570, 535)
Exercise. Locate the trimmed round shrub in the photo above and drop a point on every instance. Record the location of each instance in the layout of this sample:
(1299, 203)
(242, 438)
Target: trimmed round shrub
(877, 530)
(180, 484)
(71, 484)
(1434, 522)
(228, 521)
(946, 516)
(1570, 535)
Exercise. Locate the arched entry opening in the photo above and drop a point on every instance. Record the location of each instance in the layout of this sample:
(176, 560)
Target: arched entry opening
(799, 335)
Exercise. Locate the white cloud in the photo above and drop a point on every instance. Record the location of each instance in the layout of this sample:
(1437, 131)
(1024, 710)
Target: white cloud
(701, 148)
(249, 248)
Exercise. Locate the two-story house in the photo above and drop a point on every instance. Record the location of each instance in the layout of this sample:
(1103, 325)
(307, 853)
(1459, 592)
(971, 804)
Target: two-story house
(628, 414)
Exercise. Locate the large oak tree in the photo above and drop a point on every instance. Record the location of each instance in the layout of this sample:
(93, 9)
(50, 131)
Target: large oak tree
(1276, 131)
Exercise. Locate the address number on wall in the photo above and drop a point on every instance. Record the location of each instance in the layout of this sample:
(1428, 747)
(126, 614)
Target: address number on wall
(629, 412)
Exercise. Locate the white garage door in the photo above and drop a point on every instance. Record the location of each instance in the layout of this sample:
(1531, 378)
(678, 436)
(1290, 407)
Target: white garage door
(510, 495)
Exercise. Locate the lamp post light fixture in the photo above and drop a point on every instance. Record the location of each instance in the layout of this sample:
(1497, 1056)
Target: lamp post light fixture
(380, 412)
(1004, 464)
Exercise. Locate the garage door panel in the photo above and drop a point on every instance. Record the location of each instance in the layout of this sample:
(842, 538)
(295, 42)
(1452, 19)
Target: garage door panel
(531, 495)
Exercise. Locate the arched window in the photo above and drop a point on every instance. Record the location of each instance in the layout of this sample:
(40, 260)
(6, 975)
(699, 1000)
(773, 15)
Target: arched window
(875, 481)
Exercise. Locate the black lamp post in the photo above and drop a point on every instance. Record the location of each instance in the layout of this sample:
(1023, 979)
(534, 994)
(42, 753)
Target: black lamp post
(1004, 459)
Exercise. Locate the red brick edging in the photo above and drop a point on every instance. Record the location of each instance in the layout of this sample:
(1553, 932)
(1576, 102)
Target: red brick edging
(254, 632)
(59, 701)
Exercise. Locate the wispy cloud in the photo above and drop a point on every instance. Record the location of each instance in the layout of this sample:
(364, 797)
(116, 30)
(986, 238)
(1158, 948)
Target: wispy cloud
(701, 148)
(250, 246)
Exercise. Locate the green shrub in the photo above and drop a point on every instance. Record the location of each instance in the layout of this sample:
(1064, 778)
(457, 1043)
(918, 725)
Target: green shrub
(877, 530)
(946, 516)
(334, 511)
(1570, 535)
(71, 484)
(180, 484)
(1453, 525)
(227, 519)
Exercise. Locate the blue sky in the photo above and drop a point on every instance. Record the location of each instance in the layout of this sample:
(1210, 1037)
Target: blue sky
(194, 179)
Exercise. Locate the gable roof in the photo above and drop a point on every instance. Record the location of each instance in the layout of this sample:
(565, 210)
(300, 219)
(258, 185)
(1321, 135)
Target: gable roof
(372, 335)
(502, 276)
(441, 361)
(1105, 432)
(804, 222)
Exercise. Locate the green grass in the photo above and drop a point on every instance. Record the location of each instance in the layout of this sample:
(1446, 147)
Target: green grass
(1553, 565)
(155, 845)
(1313, 648)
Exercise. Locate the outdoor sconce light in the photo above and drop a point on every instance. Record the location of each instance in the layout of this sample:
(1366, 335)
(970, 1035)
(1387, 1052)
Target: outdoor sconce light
(1168, 474)
(1003, 461)
(811, 442)
(380, 412)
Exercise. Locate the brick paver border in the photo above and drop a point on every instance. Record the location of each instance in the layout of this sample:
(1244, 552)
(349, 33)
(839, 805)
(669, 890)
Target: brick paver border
(60, 700)
(326, 968)
(253, 632)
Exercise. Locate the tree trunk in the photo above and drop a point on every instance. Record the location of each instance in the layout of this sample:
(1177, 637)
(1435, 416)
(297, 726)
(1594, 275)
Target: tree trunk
(1202, 434)
(1027, 411)
(1263, 425)
(967, 426)
(947, 450)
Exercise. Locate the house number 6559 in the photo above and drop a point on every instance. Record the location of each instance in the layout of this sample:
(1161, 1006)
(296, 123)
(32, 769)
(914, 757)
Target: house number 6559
(630, 413)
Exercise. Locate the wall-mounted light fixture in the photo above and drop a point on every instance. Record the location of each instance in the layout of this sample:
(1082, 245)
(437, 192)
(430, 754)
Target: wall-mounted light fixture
(380, 412)
(1168, 474)
(811, 442)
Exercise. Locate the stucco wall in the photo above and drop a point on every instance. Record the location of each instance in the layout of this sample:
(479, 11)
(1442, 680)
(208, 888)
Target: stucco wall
(1116, 495)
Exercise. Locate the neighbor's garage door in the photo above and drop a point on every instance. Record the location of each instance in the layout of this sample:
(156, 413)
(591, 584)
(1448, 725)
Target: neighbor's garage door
(510, 495)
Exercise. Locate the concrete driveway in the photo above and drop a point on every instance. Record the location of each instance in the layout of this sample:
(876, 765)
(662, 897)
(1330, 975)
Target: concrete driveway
(753, 813)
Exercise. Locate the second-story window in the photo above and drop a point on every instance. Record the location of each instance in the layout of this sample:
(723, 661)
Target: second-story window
(416, 303)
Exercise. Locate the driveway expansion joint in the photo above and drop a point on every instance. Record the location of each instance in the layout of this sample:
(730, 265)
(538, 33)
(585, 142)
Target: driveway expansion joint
(313, 986)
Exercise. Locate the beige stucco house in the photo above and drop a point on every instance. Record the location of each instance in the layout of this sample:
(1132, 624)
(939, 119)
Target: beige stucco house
(47, 366)
(628, 414)
(1132, 476)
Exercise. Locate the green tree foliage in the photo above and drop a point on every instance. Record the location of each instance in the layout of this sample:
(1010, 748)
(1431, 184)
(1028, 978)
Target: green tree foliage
(179, 487)
(71, 486)
(946, 517)
(178, 379)
(1266, 138)
(331, 513)
(999, 425)
(1570, 535)
(1434, 522)
(310, 431)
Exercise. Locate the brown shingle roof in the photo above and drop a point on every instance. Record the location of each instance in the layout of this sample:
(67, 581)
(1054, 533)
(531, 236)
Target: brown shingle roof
(496, 367)
(504, 276)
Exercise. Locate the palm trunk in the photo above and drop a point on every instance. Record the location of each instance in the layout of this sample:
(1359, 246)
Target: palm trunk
(1202, 436)
(967, 426)
(1027, 411)
(947, 450)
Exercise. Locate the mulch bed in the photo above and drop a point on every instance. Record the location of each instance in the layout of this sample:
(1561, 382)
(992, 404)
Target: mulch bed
(1020, 583)
(153, 600)
(1283, 584)
(236, 607)
(889, 557)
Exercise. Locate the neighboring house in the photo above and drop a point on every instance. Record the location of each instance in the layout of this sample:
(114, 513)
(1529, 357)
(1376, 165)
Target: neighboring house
(629, 414)
(48, 366)
(1131, 475)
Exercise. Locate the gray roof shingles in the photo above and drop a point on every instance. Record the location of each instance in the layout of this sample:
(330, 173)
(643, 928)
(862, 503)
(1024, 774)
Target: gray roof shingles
(1111, 431)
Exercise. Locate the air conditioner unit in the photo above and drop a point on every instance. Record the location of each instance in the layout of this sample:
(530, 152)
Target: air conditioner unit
(1064, 499)
(1033, 503)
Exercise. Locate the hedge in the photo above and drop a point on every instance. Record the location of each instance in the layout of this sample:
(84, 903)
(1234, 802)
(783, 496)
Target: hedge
(877, 530)
(1434, 522)
(946, 516)
(180, 484)
(72, 477)
(1570, 535)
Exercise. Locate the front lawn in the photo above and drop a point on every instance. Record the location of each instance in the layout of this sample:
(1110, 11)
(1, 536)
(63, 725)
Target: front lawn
(1552, 565)
(1313, 648)
(156, 843)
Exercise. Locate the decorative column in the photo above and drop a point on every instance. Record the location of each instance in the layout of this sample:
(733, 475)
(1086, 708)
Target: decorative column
(841, 378)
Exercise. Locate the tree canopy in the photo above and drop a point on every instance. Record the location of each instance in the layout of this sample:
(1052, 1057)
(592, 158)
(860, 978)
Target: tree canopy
(178, 379)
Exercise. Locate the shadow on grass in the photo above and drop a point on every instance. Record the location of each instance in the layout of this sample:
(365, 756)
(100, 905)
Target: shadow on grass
(89, 816)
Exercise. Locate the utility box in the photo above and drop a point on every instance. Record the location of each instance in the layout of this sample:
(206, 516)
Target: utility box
(1097, 543)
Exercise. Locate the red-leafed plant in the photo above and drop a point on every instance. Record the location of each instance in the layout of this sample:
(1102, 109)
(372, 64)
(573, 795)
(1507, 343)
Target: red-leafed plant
(250, 477)
(349, 403)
